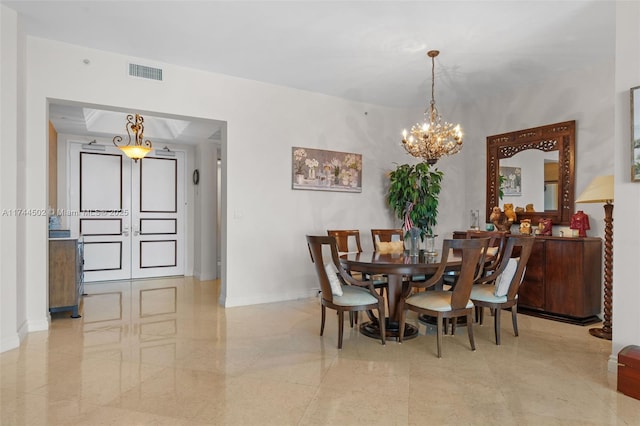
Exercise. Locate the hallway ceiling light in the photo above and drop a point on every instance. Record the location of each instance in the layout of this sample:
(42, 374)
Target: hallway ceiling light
(434, 138)
(140, 147)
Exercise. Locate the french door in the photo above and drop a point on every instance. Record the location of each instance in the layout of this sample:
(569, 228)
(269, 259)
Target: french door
(130, 215)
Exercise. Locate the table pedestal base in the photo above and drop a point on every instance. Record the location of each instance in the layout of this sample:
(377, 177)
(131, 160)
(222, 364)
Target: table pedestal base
(392, 330)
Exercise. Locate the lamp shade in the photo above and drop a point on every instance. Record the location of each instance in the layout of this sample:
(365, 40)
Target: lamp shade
(600, 190)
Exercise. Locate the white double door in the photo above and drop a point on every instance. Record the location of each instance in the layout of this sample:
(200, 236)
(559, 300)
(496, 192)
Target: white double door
(130, 215)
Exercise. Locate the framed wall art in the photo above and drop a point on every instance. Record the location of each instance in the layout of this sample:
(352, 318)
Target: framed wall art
(512, 180)
(320, 170)
(635, 133)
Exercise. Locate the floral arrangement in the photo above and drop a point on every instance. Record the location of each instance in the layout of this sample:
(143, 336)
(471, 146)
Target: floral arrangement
(312, 163)
(352, 161)
(336, 164)
(299, 156)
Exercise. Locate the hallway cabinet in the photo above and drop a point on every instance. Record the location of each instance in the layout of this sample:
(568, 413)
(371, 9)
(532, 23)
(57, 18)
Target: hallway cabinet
(65, 275)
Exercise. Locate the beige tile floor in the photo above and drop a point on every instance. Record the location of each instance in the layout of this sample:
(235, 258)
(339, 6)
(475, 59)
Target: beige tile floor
(163, 352)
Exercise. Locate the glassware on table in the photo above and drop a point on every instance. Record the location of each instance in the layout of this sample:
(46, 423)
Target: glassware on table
(430, 244)
(414, 248)
(475, 220)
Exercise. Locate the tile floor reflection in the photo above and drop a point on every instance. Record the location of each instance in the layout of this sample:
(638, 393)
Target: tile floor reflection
(163, 352)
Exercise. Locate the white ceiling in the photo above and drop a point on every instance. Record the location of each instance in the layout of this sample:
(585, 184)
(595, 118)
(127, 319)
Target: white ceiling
(369, 51)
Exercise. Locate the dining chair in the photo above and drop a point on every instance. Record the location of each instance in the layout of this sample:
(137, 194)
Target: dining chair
(339, 290)
(499, 289)
(446, 304)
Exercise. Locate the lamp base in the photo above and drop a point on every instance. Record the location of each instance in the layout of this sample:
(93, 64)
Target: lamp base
(600, 333)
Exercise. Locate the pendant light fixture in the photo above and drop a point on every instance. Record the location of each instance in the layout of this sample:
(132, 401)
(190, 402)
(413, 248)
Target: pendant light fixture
(434, 138)
(140, 147)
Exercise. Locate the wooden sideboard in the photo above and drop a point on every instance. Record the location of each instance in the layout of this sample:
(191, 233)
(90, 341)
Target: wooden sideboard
(65, 275)
(563, 280)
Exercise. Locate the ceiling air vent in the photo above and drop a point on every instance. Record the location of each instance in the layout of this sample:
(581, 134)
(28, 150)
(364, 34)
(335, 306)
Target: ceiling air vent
(142, 71)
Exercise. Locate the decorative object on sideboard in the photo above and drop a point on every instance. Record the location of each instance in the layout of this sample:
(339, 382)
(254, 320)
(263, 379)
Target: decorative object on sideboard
(525, 226)
(510, 212)
(434, 138)
(545, 227)
(580, 224)
(600, 190)
(475, 220)
(500, 220)
(140, 147)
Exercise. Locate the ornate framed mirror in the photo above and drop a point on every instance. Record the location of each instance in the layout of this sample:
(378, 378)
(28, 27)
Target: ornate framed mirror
(533, 169)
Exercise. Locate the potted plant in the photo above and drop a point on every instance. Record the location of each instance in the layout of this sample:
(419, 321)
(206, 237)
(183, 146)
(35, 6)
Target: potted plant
(413, 196)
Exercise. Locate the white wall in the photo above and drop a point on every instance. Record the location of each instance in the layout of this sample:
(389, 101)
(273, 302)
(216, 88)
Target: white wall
(265, 219)
(585, 96)
(626, 229)
(9, 39)
(205, 214)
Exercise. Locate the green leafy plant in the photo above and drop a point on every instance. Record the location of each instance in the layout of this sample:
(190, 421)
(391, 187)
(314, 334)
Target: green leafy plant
(415, 189)
(501, 180)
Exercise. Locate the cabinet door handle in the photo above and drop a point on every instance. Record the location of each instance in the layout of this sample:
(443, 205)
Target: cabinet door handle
(125, 231)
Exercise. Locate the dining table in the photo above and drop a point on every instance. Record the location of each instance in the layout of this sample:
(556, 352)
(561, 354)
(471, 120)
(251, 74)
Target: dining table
(400, 269)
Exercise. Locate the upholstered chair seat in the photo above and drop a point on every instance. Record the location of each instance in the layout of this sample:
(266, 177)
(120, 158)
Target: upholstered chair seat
(487, 293)
(434, 300)
(354, 296)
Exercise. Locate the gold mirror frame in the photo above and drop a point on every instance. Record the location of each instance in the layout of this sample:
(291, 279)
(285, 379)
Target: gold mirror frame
(559, 137)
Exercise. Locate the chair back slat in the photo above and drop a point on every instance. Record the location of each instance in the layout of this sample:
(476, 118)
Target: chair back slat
(386, 235)
(316, 244)
(497, 239)
(525, 244)
(472, 250)
(343, 236)
(516, 247)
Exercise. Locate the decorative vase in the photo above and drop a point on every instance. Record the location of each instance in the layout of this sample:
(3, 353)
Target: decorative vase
(414, 248)
(299, 179)
(312, 173)
(430, 244)
(475, 220)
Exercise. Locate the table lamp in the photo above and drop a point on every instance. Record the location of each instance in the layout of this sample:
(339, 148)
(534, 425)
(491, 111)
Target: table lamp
(600, 190)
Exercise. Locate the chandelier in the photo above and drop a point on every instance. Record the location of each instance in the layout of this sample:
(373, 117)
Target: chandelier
(140, 147)
(434, 138)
